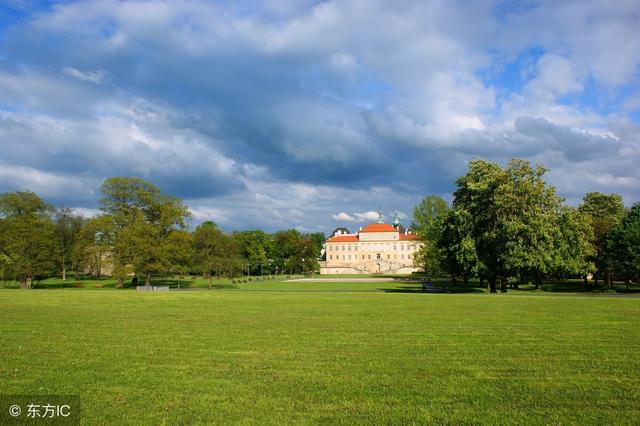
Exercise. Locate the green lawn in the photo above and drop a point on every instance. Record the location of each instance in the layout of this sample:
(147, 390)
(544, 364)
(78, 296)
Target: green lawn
(273, 353)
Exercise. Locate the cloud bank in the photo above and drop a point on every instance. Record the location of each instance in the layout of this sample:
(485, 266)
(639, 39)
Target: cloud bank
(290, 114)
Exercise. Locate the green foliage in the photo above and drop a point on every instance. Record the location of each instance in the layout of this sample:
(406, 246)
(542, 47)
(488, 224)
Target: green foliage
(574, 251)
(27, 237)
(215, 253)
(145, 225)
(622, 245)
(93, 249)
(294, 253)
(456, 246)
(254, 249)
(514, 218)
(606, 211)
(67, 228)
(427, 221)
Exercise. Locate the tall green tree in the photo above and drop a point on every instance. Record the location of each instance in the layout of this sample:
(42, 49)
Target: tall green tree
(67, 227)
(456, 245)
(214, 252)
(145, 220)
(574, 250)
(93, 250)
(606, 212)
(254, 247)
(27, 240)
(293, 252)
(514, 216)
(622, 247)
(427, 222)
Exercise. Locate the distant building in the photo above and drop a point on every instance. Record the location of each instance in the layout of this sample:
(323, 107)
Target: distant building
(378, 248)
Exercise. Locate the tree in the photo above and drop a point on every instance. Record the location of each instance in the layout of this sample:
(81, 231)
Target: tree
(254, 249)
(144, 220)
(513, 218)
(622, 248)
(574, 249)
(427, 220)
(606, 212)
(295, 253)
(93, 249)
(26, 236)
(318, 239)
(68, 226)
(214, 252)
(456, 245)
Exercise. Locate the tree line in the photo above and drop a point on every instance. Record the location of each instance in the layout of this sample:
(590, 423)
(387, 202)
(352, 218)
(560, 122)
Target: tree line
(140, 232)
(507, 226)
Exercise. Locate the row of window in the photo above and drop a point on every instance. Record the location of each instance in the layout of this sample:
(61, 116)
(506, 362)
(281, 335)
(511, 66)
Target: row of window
(348, 248)
(355, 256)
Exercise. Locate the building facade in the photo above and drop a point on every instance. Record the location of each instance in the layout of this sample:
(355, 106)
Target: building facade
(378, 248)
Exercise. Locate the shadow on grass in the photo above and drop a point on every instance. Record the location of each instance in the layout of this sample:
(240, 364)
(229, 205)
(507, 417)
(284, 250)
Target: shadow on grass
(436, 287)
(169, 282)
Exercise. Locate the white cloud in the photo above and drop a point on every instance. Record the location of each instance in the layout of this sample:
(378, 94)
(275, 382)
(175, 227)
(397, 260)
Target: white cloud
(96, 76)
(343, 217)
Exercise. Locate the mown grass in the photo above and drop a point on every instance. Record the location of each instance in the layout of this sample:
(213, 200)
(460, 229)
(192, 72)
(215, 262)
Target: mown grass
(406, 284)
(271, 356)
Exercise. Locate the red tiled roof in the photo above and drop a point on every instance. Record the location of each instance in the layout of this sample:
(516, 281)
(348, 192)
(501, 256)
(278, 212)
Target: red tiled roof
(343, 239)
(379, 227)
(408, 237)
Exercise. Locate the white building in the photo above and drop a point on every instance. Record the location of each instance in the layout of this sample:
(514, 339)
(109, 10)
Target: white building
(378, 248)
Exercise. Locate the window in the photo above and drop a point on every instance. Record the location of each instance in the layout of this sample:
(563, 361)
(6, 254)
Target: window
(409, 256)
(402, 256)
(378, 256)
(349, 248)
(369, 257)
(395, 247)
(330, 257)
(349, 257)
(363, 257)
(401, 247)
(342, 248)
(388, 256)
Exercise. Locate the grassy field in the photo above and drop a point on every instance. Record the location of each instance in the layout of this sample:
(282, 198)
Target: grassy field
(274, 352)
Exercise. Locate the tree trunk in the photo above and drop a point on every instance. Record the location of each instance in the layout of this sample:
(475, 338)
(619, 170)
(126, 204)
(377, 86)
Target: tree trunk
(23, 283)
(147, 279)
(64, 269)
(465, 278)
(609, 280)
(492, 284)
(453, 279)
(503, 284)
(595, 278)
(515, 285)
(586, 281)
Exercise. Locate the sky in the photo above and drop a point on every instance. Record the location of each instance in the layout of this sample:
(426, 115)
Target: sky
(311, 115)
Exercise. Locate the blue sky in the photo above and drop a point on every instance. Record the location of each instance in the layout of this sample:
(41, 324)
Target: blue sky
(313, 114)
